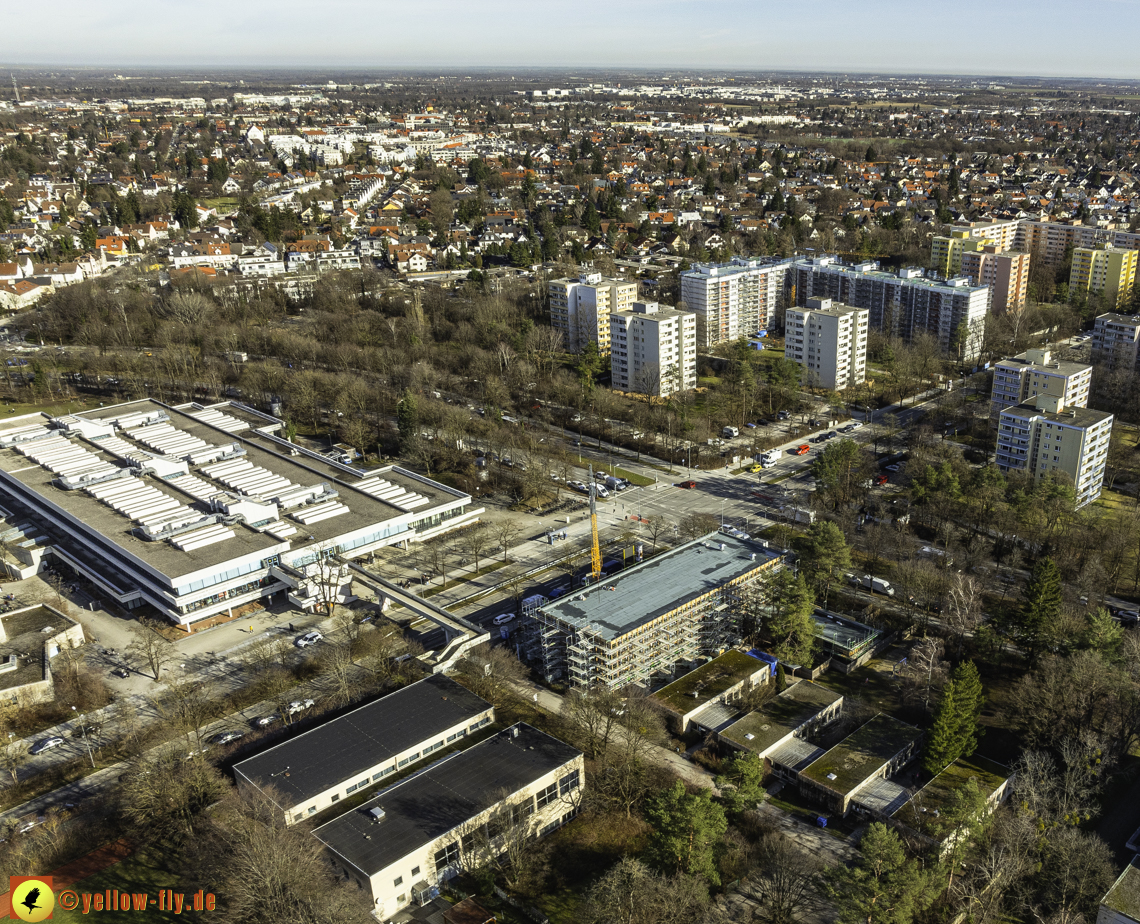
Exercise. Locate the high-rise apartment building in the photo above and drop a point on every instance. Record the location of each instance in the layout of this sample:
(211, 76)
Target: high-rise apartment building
(1022, 378)
(946, 250)
(1047, 241)
(733, 300)
(653, 350)
(903, 304)
(581, 307)
(1115, 340)
(1106, 271)
(829, 341)
(1006, 273)
(1044, 436)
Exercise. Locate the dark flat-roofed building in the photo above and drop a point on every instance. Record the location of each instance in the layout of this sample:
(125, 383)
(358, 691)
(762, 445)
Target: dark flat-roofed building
(426, 829)
(318, 768)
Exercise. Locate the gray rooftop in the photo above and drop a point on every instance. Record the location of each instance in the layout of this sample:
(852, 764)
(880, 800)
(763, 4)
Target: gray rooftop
(25, 636)
(839, 631)
(337, 751)
(1079, 417)
(780, 716)
(1054, 366)
(428, 805)
(363, 509)
(616, 605)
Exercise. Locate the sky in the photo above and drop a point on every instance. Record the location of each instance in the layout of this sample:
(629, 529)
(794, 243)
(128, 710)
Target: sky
(1077, 38)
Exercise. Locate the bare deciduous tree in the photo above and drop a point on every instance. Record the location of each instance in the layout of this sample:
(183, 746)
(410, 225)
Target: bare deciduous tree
(150, 647)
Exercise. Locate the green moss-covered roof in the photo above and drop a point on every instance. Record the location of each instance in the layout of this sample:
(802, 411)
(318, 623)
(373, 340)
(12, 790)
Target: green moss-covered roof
(780, 717)
(708, 681)
(935, 795)
(861, 754)
(1124, 896)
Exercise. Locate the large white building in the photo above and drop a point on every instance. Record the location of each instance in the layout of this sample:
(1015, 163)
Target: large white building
(1116, 340)
(455, 816)
(196, 511)
(1044, 436)
(580, 308)
(1035, 372)
(653, 350)
(905, 303)
(829, 341)
(734, 300)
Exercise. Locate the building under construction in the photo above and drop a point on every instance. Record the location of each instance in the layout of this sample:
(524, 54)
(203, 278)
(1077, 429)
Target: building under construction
(650, 619)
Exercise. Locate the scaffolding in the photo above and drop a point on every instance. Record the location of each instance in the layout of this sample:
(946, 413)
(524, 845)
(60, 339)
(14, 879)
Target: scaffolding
(586, 655)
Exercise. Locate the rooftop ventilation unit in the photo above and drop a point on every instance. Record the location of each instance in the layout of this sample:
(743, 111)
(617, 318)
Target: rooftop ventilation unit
(377, 814)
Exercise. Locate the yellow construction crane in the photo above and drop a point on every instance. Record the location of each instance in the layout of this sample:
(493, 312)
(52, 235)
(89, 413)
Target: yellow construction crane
(595, 549)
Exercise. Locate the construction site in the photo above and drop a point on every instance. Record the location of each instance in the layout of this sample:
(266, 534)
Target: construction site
(651, 620)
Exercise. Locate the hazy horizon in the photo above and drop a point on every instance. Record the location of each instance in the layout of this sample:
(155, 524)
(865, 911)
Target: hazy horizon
(1014, 39)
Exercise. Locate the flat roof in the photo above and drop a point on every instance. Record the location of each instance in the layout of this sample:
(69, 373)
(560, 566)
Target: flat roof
(616, 605)
(25, 637)
(922, 811)
(1053, 367)
(780, 716)
(423, 808)
(840, 631)
(861, 754)
(336, 751)
(361, 509)
(1124, 896)
(708, 681)
(1082, 417)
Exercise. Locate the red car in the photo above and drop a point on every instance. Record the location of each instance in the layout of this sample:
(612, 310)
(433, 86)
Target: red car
(687, 484)
(802, 450)
(881, 479)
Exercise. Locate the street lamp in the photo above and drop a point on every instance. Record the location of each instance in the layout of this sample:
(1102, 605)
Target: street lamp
(83, 727)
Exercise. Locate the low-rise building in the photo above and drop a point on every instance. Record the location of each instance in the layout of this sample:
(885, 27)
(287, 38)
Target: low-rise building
(923, 812)
(315, 770)
(874, 752)
(703, 696)
(829, 341)
(421, 832)
(778, 733)
(30, 637)
(653, 350)
(1121, 905)
(1044, 436)
(1034, 372)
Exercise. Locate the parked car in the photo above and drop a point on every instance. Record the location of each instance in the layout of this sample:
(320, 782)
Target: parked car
(504, 619)
(894, 468)
(750, 426)
(45, 744)
(120, 672)
(264, 720)
(578, 486)
(853, 426)
(783, 415)
(300, 705)
(309, 638)
(80, 731)
(882, 479)
(226, 737)
(601, 491)
(687, 484)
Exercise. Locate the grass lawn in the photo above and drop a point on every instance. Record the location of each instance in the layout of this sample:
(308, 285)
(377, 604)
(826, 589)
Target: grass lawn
(222, 204)
(790, 800)
(632, 477)
(147, 871)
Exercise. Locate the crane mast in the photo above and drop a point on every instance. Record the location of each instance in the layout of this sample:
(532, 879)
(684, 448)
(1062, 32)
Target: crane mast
(595, 549)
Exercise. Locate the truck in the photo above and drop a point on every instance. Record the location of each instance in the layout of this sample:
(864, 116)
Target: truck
(729, 433)
(769, 458)
(871, 583)
(797, 515)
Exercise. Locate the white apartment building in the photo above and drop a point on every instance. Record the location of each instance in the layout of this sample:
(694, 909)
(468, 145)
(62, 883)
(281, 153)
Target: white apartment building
(733, 300)
(581, 307)
(1115, 340)
(1043, 436)
(829, 341)
(1034, 373)
(653, 350)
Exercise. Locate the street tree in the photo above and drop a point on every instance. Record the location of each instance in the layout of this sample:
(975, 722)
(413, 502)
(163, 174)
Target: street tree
(475, 543)
(507, 532)
(150, 647)
(491, 672)
(741, 783)
(698, 524)
(841, 471)
(164, 798)
(687, 829)
(632, 893)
